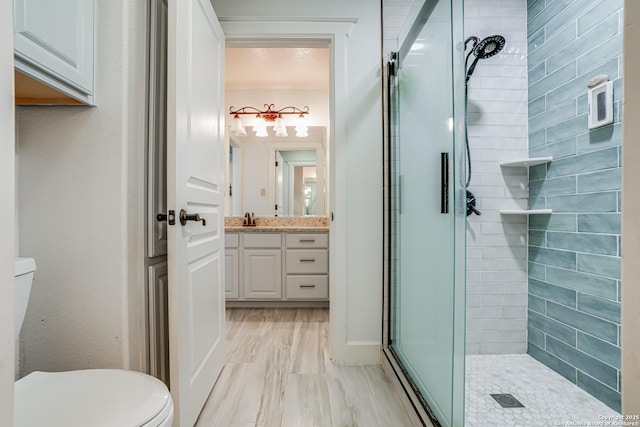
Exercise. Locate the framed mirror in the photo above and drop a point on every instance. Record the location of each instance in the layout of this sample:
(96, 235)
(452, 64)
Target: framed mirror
(296, 183)
(278, 176)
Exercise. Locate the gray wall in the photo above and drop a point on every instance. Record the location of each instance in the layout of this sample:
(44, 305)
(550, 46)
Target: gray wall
(574, 254)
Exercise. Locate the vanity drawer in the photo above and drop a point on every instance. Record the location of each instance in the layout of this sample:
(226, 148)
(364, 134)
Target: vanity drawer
(231, 240)
(262, 240)
(307, 287)
(311, 240)
(307, 261)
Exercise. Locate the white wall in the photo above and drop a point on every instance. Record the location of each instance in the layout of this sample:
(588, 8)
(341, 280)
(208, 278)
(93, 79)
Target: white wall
(255, 178)
(7, 180)
(80, 192)
(357, 159)
(497, 245)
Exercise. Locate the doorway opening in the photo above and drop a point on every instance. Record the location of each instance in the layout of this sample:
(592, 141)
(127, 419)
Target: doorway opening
(327, 130)
(282, 73)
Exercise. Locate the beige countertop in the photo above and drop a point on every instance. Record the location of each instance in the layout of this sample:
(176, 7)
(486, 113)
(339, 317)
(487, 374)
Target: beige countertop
(278, 224)
(275, 229)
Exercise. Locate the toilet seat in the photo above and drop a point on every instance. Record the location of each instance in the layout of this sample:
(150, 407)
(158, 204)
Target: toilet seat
(92, 397)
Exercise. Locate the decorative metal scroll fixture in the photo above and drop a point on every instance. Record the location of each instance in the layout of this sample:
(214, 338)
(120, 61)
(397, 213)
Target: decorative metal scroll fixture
(269, 115)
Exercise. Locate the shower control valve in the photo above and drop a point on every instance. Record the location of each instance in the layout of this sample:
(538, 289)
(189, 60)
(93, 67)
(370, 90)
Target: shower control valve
(471, 204)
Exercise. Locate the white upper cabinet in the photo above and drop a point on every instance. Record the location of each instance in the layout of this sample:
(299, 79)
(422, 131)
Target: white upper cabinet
(55, 45)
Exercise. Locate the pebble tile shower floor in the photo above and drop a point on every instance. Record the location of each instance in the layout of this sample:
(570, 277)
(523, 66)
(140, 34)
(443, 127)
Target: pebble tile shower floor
(548, 398)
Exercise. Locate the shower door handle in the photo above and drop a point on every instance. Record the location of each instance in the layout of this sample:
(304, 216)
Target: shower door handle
(444, 183)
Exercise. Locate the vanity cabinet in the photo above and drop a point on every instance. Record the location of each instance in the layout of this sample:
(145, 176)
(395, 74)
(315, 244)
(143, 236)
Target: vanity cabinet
(54, 47)
(277, 266)
(231, 266)
(262, 266)
(307, 260)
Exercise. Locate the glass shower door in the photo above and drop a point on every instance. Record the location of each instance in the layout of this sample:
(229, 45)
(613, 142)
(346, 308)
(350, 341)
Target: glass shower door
(428, 212)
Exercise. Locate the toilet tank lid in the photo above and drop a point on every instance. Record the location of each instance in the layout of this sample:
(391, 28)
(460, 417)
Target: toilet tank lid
(24, 266)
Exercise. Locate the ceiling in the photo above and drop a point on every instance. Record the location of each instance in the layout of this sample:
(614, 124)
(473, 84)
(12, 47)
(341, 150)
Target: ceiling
(277, 68)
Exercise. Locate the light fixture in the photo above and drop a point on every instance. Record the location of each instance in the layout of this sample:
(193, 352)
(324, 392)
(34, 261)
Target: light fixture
(279, 127)
(301, 127)
(269, 115)
(237, 128)
(260, 126)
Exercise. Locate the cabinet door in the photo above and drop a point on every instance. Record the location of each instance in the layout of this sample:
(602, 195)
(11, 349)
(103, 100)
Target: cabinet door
(54, 43)
(262, 270)
(231, 273)
(158, 321)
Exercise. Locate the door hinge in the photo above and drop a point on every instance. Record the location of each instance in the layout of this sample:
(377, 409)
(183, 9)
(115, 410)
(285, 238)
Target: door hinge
(276, 163)
(276, 207)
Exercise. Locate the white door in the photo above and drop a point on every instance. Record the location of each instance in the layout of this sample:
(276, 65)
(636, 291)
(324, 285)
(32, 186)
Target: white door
(195, 183)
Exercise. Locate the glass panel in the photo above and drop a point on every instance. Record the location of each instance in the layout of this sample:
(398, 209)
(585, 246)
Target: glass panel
(427, 309)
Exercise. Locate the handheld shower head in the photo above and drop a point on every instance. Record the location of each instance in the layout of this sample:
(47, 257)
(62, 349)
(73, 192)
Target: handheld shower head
(486, 48)
(489, 46)
(481, 49)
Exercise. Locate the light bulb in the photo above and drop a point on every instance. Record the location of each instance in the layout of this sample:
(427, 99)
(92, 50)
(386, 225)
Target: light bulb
(259, 123)
(262, 132)
(280, 128)
(301, 127)
(260, 126)
(237, 128)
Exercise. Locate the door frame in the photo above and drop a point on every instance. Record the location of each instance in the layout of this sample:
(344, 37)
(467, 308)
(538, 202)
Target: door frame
(269, 32)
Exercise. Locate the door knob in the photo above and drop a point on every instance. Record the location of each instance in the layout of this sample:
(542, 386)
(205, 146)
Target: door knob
(185, 216)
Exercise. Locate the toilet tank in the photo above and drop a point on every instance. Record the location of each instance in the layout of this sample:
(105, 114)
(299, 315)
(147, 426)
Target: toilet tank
(23, 272)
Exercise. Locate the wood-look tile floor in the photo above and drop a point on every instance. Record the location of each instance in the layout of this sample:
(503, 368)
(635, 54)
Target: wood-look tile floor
(278, 373)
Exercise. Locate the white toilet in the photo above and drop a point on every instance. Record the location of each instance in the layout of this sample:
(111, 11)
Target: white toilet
(91, 397)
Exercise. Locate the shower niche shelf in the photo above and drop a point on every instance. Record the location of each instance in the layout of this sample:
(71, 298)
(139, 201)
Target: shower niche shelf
(532, 161)
(527, 162)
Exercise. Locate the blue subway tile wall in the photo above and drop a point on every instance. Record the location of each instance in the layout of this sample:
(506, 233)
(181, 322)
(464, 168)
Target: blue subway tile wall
(574, 253)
